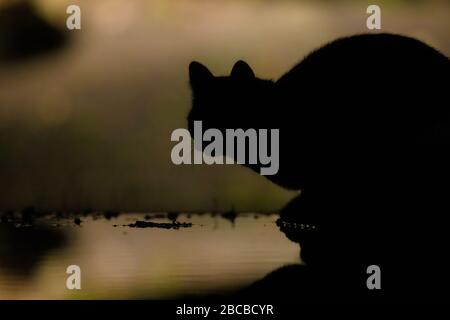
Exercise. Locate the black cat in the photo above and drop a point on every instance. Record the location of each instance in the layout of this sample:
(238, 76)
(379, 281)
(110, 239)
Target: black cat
(358, 115)
(356, 93)
(365, 132)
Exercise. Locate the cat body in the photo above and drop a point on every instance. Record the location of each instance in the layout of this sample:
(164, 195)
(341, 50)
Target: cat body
(364, 128)
(342, 102)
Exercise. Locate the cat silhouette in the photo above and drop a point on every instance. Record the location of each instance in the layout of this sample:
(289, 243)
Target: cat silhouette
(365, 91)
(364, 125)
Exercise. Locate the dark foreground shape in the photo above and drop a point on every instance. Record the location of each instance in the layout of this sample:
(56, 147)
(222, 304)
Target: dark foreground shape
(22, 249)
(25, 34)
(149, 224)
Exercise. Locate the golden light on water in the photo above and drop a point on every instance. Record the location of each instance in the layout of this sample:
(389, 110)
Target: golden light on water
(122, 262)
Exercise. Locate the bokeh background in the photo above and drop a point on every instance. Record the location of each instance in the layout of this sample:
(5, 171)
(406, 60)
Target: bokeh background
(86, 124)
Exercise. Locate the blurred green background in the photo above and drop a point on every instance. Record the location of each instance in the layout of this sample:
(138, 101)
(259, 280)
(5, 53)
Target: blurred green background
(88, 126)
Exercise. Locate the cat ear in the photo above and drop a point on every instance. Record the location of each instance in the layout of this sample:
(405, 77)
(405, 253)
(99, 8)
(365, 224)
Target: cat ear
(242, 70)
(199, 74)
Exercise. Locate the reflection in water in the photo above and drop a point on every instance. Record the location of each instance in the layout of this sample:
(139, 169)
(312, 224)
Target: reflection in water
(22, 249)
(210, 257)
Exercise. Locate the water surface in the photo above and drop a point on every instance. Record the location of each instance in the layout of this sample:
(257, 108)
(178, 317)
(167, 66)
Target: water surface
(212, 256)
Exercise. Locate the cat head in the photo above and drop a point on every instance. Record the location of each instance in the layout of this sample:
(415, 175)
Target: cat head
(235, 101)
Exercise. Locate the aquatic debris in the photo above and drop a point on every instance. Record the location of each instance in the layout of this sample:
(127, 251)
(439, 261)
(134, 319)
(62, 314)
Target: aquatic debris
(149, 224)
(230, 215)
(296, 225)
(77, 221)
(173, 216)
(111, 214)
